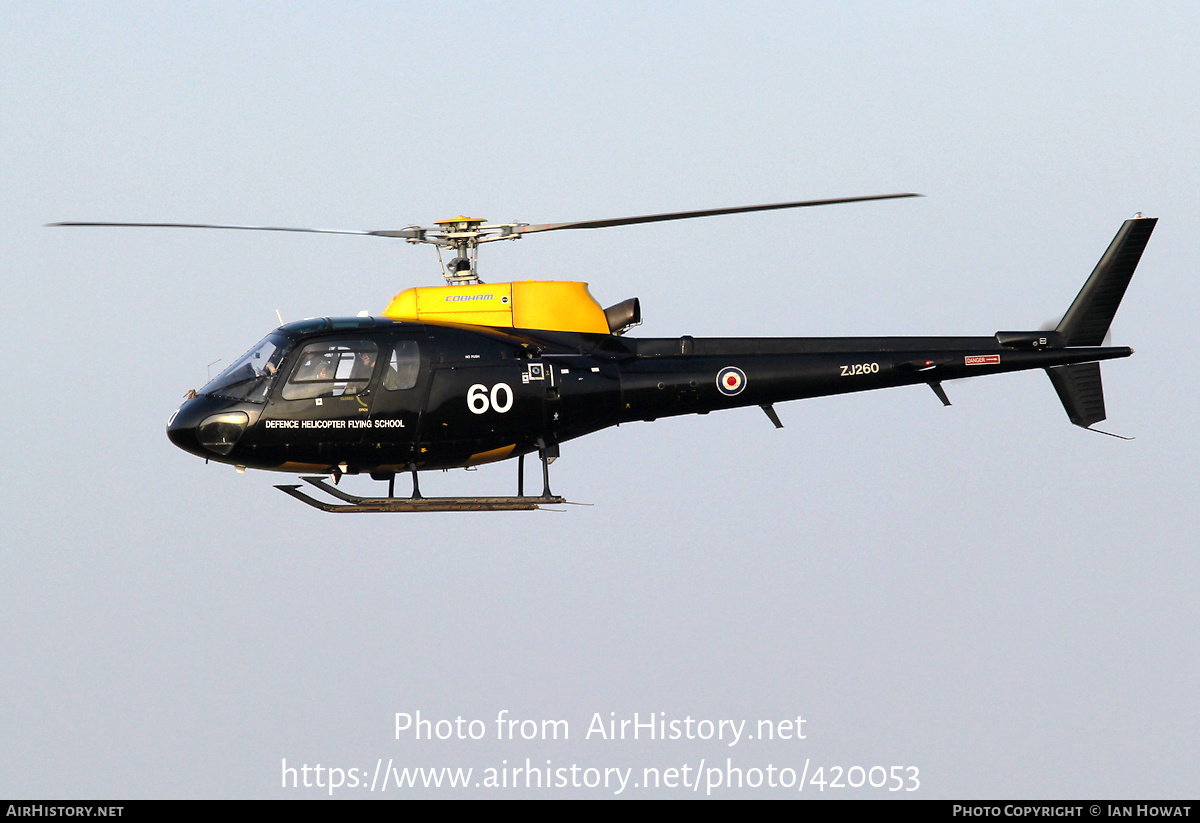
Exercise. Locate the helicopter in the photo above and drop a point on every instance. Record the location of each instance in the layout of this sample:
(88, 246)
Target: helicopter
(468, 373)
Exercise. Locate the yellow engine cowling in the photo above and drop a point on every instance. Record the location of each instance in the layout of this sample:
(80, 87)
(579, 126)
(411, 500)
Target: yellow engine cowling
(549, 305)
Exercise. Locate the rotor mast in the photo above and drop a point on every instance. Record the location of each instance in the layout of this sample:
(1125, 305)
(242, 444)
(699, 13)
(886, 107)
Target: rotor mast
(461, 236)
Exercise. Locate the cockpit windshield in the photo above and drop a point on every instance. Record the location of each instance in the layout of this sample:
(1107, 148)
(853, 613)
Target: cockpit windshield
(250, 378)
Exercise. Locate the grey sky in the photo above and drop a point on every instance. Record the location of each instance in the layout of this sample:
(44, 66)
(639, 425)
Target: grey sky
(984, 592)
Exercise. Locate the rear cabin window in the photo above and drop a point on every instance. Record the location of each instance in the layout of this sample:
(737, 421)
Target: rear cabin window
(336, 368)
(402, 366)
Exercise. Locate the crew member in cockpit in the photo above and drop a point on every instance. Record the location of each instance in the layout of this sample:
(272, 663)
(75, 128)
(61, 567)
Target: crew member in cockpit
(360, 374)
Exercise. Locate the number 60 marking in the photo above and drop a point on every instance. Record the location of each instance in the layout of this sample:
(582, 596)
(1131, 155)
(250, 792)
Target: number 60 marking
(478, 398)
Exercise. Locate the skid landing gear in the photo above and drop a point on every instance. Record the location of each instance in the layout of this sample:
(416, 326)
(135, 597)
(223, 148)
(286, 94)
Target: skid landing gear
(353, 504)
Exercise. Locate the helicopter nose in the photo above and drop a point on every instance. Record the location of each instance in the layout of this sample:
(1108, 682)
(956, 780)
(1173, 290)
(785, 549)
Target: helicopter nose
(205, 427)
(181, 429)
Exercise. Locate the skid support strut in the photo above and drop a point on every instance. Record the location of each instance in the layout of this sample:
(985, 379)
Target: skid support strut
(548, 454)
(416, 495)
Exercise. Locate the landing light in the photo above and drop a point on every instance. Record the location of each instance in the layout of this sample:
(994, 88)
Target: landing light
(220, 432)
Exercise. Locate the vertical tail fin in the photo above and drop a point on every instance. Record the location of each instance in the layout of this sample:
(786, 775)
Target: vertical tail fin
(1079, 386)
(1089, 317)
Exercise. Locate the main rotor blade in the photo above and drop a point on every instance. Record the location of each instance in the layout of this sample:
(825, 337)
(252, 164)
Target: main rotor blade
(684, 215)
(243, 228)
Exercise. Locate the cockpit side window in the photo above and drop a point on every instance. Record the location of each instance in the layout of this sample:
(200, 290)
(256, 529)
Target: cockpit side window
(251, 376)
(332, 368)
(402, 366)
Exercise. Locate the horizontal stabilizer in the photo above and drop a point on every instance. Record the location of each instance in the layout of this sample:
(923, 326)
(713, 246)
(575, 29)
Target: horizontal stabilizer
(1089, 317)
(1080, 390)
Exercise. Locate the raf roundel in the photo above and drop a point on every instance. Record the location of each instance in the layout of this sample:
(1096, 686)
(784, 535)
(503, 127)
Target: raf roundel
(731, 381)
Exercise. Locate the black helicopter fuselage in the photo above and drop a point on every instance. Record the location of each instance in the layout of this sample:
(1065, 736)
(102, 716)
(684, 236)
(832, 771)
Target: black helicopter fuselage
(475, 373)
(371, 395)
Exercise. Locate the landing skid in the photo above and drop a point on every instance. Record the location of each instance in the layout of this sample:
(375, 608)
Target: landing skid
(354, 504)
